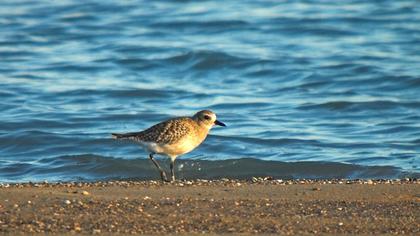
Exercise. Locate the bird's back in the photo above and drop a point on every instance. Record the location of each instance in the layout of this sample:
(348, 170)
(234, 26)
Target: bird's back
(166, 132)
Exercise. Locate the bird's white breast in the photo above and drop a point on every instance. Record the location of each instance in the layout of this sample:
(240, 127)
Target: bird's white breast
(185, 145)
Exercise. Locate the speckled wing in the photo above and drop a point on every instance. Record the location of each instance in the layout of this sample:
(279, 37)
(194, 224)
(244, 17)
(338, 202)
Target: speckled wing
(167, 132)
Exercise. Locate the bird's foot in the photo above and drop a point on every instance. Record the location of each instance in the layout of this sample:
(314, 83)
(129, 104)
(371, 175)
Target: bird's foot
(163, 176)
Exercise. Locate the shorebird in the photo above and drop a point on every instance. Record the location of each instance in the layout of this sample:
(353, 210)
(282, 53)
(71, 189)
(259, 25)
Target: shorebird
(173, 137)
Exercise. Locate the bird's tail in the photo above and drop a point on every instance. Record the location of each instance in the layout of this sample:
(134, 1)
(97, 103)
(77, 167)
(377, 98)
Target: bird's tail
(118, 136)
(124, 136)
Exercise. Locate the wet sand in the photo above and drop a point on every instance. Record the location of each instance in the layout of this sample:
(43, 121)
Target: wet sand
(212, 207)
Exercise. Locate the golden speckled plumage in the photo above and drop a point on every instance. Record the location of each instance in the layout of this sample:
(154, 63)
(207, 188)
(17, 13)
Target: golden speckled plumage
(167, 132)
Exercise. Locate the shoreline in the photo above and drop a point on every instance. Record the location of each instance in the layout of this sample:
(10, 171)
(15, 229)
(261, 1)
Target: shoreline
(259, 205)
(255, 180)
(90, 168)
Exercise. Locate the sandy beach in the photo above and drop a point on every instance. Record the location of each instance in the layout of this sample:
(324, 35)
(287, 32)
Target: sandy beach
(212, 207)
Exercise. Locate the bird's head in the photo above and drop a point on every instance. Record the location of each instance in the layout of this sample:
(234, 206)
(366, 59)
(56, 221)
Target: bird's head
(207, 118)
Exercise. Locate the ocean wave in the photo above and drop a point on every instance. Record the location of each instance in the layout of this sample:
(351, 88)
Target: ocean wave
(212, 26)
(355, 106)
(94, 167)
(207, 60)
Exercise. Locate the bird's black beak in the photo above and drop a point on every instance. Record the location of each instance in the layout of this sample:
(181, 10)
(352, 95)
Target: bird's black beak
(219, 123)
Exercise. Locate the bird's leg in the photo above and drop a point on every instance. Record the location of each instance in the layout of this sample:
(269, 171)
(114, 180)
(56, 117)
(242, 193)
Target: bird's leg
(162, 173)
(172, 169)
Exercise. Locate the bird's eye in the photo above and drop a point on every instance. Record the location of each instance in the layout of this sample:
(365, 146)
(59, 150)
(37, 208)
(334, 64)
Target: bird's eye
(207, 117)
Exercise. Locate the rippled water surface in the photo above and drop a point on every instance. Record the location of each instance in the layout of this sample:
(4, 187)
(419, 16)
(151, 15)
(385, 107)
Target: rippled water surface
(314, 89)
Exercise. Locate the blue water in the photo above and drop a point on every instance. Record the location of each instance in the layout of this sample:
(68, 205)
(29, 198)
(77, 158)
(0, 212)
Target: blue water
(314, 89)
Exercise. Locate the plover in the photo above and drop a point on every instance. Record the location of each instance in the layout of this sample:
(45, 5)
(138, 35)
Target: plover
(174, 137)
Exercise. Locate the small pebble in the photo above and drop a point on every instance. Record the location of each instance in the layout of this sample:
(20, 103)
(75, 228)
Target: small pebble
(67, 202)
